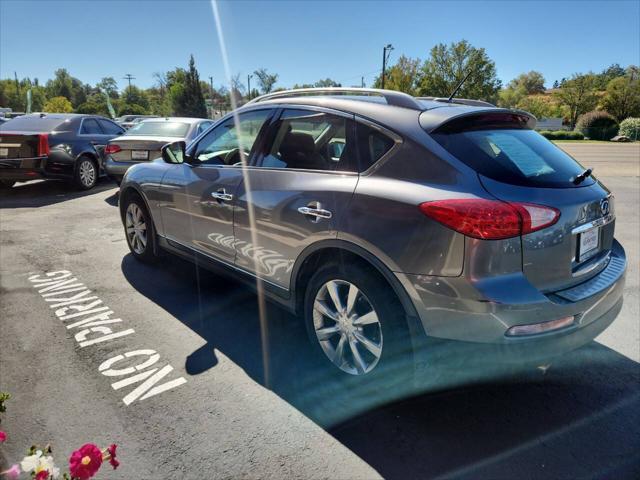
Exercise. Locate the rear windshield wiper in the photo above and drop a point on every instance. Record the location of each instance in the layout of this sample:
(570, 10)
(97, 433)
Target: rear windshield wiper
(583, 176)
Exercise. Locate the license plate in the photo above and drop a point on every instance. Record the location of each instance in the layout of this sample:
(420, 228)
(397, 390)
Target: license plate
(4, 152)
(139, 154)
(588, 245)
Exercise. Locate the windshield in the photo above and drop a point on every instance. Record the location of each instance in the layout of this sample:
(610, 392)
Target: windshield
(32, 124)
(515, 156)
(160, 129)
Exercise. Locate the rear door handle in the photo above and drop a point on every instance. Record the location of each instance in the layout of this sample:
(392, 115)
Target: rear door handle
(315, 210)
(222, 195)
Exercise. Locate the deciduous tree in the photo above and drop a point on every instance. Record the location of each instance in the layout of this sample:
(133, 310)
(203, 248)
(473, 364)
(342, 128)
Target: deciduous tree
(579, 96)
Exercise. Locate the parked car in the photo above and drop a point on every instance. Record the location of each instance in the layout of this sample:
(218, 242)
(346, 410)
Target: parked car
(384, 221)
(127, 121)
(143, 141)
(54, 146)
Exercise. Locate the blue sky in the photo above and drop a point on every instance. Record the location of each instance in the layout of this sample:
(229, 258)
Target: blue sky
(305, 41)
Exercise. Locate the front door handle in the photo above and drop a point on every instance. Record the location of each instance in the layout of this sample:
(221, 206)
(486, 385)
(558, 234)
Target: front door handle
(222, 195)
(315, 210)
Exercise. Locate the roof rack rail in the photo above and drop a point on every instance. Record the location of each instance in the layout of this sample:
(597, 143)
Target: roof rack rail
(397, 99)
(461, 101)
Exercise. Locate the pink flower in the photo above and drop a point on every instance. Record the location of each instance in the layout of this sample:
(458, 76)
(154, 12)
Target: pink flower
(3, 436)
(42, 475)
(13, 473)
(85, 462)
(112, 456)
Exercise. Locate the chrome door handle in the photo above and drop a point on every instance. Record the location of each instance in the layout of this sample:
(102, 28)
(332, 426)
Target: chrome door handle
(222, 195)
(315, 212)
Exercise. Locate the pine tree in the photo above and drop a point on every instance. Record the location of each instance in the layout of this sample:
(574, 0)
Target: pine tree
(193, 99)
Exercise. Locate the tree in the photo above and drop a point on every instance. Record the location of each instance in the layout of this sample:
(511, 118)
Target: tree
(612, 71)
(579, 96)
(542, 106)
(64, 85)
(622, 98)
(448, 65)
(109, 85)
(510, 97)
(266, 80)
(403, 76)
(185, 91)
(556, 84)
(326, 83)
(532, 82)
(135, 96)
(58, 105)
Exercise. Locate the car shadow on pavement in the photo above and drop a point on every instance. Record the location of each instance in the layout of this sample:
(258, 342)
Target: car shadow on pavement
(49, 192)
(580, 419)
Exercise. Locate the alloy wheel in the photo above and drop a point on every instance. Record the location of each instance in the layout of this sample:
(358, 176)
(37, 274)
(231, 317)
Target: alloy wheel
(347, 327)
(87, 173)
(136, 228)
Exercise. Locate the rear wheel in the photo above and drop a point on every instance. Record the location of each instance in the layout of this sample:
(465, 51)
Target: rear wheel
(139, 230)
(356, 322)
(6, 184)
(86, 173)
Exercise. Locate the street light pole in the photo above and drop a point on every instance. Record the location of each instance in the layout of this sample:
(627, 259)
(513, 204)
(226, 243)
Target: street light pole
(385, 57)
(212, 109)
(249, 86)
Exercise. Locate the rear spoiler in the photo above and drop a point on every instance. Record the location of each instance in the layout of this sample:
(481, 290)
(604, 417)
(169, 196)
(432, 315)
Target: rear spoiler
(438, 118)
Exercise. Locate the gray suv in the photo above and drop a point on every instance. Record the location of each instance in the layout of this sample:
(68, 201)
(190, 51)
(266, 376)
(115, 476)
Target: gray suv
(383, 220)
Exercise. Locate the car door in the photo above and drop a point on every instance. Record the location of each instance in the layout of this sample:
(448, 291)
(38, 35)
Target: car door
(110, 130)
(302, 181)
(201, 195)
(93, 136)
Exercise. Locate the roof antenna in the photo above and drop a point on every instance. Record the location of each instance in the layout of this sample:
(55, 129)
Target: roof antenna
(458, 87)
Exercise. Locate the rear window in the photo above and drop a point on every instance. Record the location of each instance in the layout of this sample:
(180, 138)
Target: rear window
(161, 129)
(32, 124)
(517, 156)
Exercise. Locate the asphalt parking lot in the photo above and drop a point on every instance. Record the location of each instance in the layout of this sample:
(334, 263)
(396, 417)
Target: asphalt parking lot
(213, 408)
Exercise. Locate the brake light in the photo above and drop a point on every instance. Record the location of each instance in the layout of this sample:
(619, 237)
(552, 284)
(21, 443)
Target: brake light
(43, 144)
(490, 219)
(109, 149)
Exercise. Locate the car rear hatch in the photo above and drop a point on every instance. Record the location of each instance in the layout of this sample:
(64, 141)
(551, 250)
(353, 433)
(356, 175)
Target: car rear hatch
(518, 166)
(18, 145)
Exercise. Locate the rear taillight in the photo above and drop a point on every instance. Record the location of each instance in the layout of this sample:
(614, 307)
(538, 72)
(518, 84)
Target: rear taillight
(109, 149)
(490, 219)
(43, 145)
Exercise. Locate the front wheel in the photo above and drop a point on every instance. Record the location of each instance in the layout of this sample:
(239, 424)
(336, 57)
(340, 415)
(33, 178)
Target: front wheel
(139, 230)
(356, 322)
(86, 173)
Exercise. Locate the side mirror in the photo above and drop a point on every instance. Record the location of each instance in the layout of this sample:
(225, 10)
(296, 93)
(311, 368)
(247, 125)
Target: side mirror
(174, 152)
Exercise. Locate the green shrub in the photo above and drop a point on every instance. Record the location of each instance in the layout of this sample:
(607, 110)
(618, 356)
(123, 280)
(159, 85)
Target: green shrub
(630, 127)
(597, 125)
(561, 135)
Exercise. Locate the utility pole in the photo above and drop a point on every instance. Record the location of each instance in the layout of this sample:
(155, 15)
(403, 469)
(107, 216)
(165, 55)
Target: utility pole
(249, 86)
(385, 57)
(129, 77)
(362, 82)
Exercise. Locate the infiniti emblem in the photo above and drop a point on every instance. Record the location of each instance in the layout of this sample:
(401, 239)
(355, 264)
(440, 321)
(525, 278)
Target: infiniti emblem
(604, 206)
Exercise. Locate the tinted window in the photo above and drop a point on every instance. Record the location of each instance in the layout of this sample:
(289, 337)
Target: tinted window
(110, 128)
(90, 127)
(223, 145)
(312, 141)
(32, 124)
(161, 129)
(515, 156)
(203, 126)
(372, 145)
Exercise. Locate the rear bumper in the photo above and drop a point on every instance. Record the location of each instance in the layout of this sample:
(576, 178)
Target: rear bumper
(117, 169)
(25, 169)
(477, 317)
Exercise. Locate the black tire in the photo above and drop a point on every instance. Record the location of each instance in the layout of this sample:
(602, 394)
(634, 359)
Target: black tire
(397, 353)
(145, 253)
(85, 175)
(7, 184)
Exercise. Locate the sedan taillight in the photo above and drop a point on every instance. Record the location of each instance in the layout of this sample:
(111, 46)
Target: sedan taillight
(490, 219)
(43, 144)
(109, 149)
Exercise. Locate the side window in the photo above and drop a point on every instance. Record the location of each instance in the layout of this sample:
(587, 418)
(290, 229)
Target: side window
(110, 128)
(228, 143)
(311, 140)
(203, 126)
(372, 145)
(90, 127)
